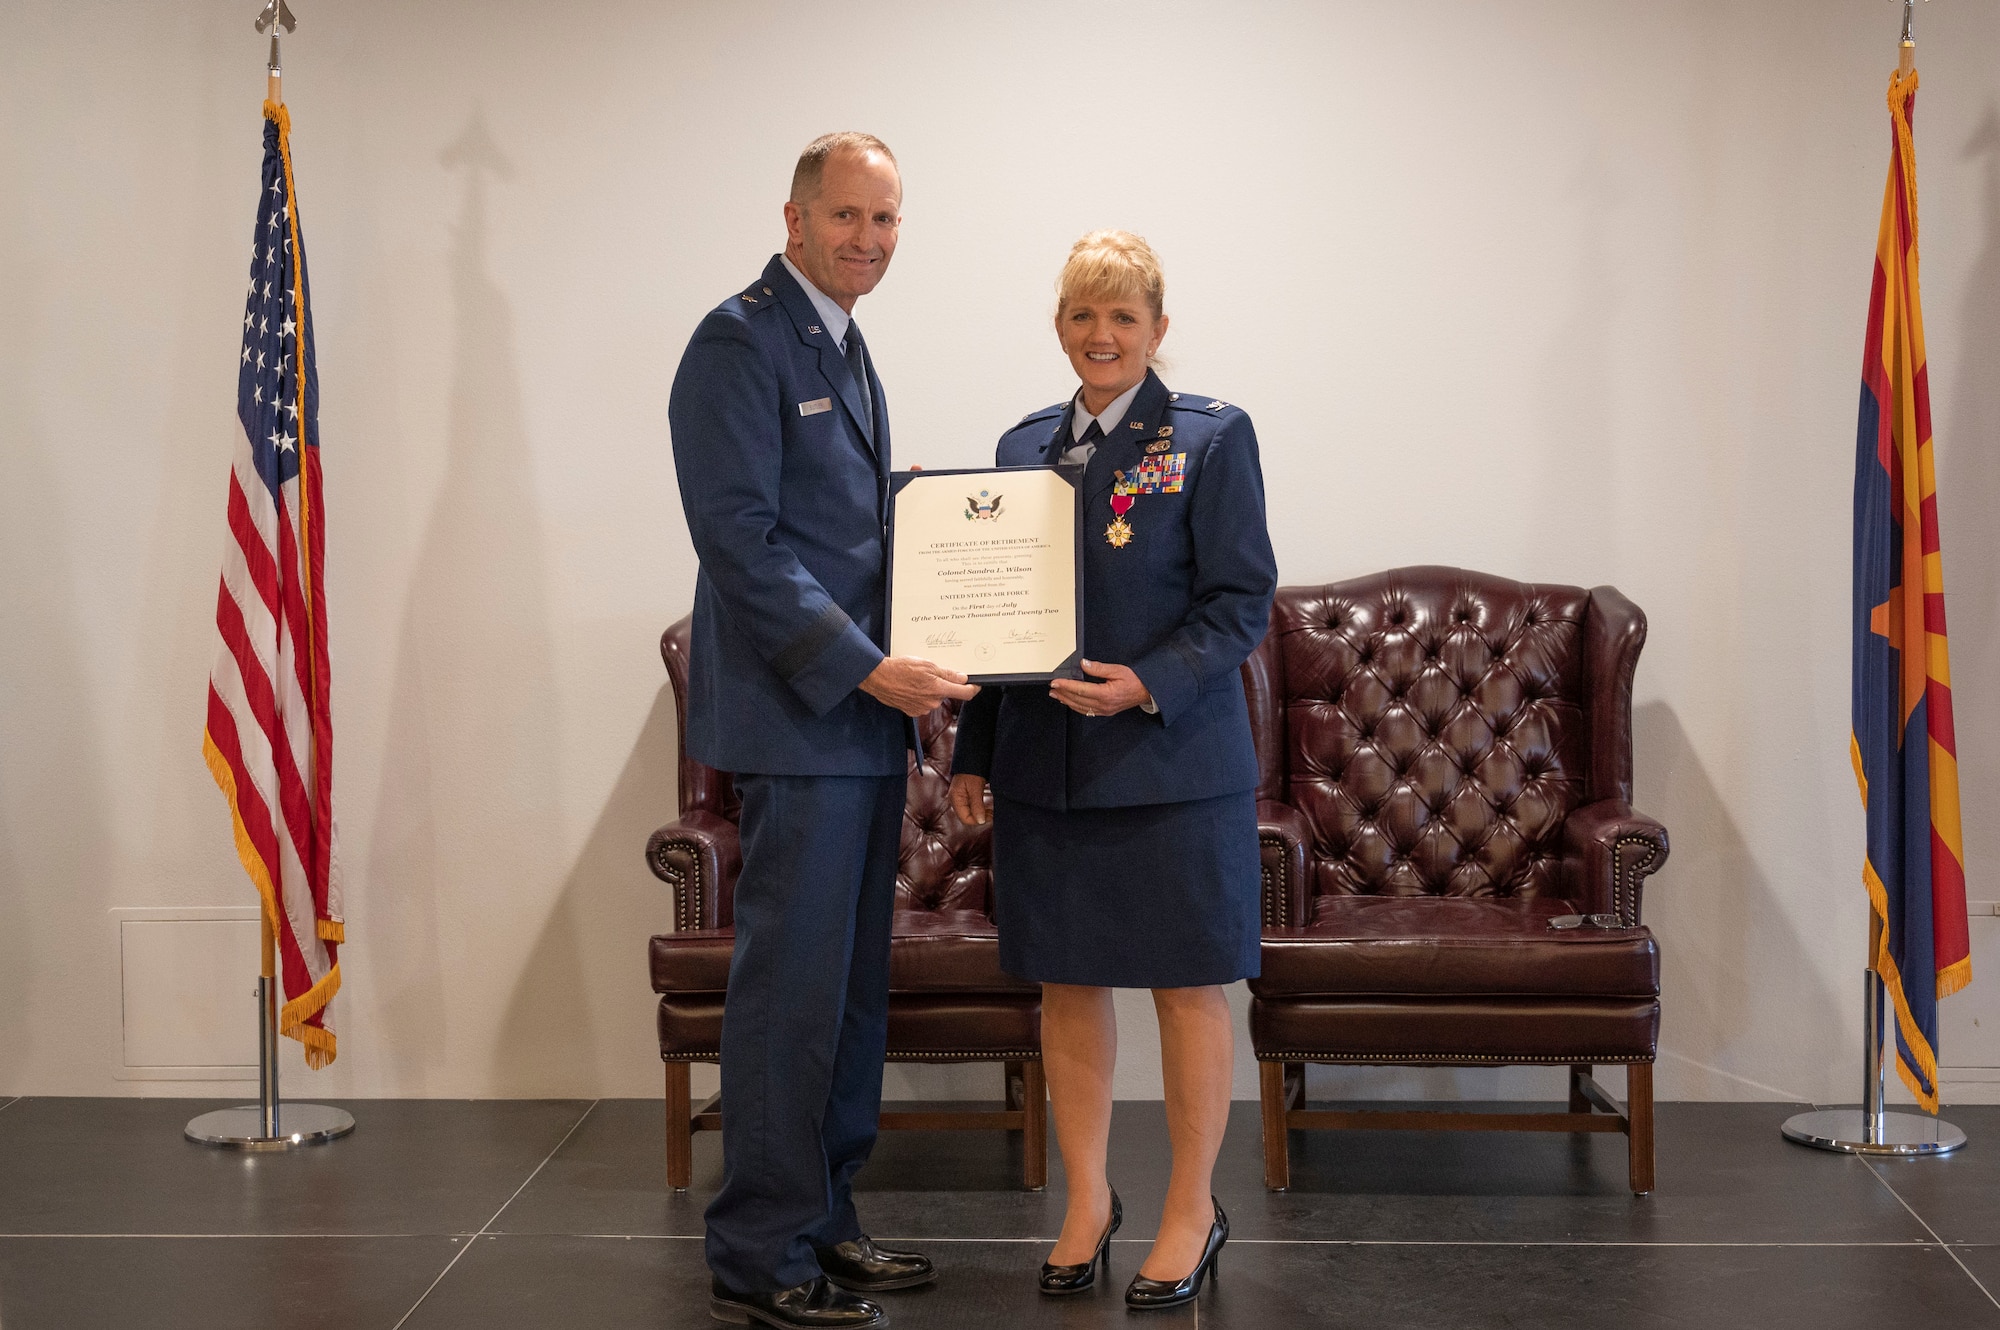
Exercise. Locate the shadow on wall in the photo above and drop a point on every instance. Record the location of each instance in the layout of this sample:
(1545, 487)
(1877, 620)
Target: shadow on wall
(609, 905)
(467, 830)
(54, 841)
(1580, 454)
(55, 846)
(1732, 966)
(1970, 484)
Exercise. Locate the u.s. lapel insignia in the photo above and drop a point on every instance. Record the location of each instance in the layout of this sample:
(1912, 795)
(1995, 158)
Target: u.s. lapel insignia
(812, 327)
(1138, 424)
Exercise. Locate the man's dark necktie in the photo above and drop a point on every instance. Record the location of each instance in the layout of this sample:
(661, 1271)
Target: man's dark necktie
(857, 365)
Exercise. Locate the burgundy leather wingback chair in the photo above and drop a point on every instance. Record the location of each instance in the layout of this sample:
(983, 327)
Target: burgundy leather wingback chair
(1446, 765)
(949, 1001)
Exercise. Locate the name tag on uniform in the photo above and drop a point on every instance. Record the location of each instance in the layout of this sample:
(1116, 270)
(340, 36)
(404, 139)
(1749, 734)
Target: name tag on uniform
(817, 405)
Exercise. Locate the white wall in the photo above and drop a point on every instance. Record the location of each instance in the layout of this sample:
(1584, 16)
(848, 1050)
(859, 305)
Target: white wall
(1566, 291)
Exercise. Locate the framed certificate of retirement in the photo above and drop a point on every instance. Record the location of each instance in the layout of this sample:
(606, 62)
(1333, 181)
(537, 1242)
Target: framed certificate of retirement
(985, 571)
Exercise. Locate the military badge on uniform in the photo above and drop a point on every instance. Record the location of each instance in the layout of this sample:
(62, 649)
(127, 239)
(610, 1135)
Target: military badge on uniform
(1119, 534)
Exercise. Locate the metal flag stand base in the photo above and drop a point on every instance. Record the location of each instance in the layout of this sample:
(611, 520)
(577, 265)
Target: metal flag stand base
(1871, 1129)
(269, 1124)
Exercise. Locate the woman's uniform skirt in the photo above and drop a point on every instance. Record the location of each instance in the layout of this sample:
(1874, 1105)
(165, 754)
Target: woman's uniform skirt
(1152, 896)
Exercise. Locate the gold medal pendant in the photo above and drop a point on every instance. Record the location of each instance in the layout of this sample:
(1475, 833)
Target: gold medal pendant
(1119, 534)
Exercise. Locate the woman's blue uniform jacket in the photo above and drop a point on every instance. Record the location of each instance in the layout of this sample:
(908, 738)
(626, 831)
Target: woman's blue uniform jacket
(1184, 603)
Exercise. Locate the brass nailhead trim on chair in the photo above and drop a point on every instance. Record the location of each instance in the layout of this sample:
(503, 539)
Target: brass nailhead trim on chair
(684, 918)
(1625, 884)
(1278, 899)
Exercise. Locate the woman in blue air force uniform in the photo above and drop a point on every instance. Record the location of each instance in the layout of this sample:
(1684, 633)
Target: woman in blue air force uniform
(1124, 814)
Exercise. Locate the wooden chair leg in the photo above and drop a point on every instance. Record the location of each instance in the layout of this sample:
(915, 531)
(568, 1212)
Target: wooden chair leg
(680, 1128)
(1578, 1103)
(1035, 1127)
(1277, 1155)
(1639, 1109)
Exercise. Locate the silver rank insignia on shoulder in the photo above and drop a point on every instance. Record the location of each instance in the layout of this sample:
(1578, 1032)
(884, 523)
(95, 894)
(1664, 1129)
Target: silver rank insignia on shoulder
(1217, 405)
(752, 299)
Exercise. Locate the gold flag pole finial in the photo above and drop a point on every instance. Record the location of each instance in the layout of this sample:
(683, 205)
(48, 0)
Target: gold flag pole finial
(277, 14)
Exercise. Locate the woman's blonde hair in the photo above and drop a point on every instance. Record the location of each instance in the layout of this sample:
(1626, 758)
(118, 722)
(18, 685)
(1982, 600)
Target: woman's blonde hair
(1110, 265)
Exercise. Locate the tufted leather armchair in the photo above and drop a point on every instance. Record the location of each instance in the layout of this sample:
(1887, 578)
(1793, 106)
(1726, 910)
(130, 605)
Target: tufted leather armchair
(1446, 764)
(949, 1001)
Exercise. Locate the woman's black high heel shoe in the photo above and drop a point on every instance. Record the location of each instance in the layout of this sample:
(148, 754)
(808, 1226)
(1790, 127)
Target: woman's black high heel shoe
(1150, 1294)
(1060, 1279)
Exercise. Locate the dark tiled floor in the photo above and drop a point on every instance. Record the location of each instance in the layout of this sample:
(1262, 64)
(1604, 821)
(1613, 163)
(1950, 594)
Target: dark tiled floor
(436, 1215)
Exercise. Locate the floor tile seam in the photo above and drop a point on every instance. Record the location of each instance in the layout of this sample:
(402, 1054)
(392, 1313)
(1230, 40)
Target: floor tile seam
(1869, 1164)
(236, 1237)
(470, 1242)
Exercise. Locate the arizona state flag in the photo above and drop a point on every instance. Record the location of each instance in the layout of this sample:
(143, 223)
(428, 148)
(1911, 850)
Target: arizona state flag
(1904, 754)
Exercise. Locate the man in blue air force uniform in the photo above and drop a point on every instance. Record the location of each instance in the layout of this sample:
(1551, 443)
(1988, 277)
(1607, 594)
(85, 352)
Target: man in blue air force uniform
(781, 442)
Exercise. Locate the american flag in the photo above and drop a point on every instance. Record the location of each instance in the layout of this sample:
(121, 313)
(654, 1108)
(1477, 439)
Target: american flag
(269, 739)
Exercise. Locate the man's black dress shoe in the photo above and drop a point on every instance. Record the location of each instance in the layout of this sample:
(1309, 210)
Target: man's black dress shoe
(862, 1266)
(813, 1305)
(1148, 1294)
(1058, 1280)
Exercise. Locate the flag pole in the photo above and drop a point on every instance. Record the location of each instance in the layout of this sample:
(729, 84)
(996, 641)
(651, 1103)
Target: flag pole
(1871, 1129)
(269, 1124)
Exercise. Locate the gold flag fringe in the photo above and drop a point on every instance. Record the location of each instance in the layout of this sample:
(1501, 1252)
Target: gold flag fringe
(320, 1045)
